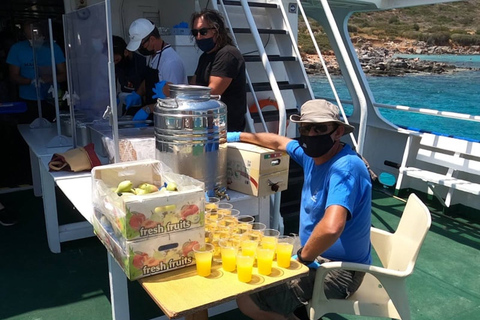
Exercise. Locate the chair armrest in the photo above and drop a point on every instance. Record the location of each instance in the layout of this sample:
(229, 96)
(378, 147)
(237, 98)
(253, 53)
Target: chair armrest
(379, 272)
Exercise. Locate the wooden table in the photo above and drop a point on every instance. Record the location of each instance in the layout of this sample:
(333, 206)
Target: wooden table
(182, 292)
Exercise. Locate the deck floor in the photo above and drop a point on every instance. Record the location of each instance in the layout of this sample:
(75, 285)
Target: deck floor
(37, 284)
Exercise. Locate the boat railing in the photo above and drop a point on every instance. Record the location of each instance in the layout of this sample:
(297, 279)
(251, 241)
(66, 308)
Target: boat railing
(425, 111)
(357, 143)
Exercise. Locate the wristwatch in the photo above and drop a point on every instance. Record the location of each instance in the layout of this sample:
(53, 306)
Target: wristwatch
(299, 257)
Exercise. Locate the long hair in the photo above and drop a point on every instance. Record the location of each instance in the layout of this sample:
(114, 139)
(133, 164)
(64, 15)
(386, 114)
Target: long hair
(214, 20)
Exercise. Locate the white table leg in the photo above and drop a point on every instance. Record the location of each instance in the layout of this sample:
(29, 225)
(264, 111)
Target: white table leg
(50, 208)
(118, 290)
(34, 166)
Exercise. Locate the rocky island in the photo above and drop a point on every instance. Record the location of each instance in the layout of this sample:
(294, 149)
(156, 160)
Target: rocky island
(381, 58)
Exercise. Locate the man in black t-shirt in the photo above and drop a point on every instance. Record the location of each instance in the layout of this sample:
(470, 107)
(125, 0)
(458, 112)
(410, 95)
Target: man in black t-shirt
(129, 66)
(221, 67)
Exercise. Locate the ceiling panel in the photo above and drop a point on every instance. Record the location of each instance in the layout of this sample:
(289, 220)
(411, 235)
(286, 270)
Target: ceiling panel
(20, 10)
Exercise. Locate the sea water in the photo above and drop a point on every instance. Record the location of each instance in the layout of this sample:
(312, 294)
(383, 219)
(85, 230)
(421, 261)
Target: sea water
(455, 92)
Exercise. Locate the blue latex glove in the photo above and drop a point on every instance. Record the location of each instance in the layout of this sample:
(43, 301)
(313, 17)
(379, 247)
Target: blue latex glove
(133, 99)
(314, 265)
(141, 115)
(233, 136)
(159, 90)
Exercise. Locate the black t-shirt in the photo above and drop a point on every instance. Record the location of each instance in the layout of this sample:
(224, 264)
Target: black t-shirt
(131, 73)
(227, 62)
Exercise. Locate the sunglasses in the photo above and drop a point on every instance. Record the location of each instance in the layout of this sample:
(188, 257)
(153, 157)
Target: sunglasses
(317, 127)
(202, 31)
(142, 43)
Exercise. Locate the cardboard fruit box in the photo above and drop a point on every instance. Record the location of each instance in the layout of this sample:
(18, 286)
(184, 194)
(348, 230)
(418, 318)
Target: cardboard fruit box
(255, 170)
(142, 216)
(146, 257)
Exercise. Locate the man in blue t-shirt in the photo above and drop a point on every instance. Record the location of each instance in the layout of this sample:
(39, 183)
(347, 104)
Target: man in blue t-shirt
(22, 70)
(334, 214)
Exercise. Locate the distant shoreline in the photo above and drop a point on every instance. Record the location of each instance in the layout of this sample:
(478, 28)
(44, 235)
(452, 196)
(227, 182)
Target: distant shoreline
(382, 59)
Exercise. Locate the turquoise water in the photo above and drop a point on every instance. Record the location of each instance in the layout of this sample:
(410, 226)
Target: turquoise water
(456, 92)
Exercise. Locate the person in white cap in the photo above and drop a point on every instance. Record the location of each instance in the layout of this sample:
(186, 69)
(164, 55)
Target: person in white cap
(164, 66)
(335, 210)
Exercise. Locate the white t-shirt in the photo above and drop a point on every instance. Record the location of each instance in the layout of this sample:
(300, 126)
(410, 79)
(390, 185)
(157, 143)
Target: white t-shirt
(170, 67)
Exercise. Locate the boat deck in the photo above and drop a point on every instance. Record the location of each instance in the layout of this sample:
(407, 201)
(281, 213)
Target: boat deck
(37, 284)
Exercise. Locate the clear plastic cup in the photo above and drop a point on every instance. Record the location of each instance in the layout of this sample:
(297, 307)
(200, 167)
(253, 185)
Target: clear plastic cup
(249, 247)
(235, 213)
(246, 218)
(215, 237)
(256, 233)
(265, 260)
(270, 238)
(229, 251)
(224, 208)
(244, 267)
(211, 203)
(244, 223)
(284, 251)
(228, 221)
(203, 258)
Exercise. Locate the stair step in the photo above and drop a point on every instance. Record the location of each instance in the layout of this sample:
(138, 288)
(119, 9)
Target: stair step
(271, 58)
(272, 115)
(283, 85)
(250, 4)
(261, 31)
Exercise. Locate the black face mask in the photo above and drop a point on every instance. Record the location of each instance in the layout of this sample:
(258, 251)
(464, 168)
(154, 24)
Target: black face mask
(206, 45)
(145, 52)
(316, 146)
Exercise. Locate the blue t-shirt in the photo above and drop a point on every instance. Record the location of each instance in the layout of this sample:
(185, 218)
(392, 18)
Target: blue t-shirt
(21, 55)
(343, 180)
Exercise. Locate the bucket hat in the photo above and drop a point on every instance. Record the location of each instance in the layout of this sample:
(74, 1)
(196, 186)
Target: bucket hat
(320, 111)
(139, 29)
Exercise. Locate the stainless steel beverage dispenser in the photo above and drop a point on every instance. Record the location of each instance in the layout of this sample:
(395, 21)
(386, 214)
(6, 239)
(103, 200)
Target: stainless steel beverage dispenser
(190, 135)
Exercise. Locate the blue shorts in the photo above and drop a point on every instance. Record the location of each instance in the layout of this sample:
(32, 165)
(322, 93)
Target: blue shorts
(286, 298)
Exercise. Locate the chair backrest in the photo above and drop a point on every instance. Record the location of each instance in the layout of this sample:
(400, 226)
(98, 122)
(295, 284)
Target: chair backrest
(408, 238)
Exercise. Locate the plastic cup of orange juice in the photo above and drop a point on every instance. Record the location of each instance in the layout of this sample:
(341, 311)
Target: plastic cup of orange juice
(203, 258)
(284, 251)
(265, 260)
(244, 224)
(211, 203)
(229, 251)
(270, 239)
(256, 233)
(224, 208)
(244, 267)
(249, 247)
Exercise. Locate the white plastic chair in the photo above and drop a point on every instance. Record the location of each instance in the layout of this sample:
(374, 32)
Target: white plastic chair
(383, 292)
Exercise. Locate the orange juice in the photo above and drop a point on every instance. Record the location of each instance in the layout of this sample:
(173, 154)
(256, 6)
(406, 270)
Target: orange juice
(255, 235)
(225, 212)
(249, 247)
(203, 258)
(269, 242)
(210, 206)
(264, 260)
(244, 268)
(228, 221)
(229, 258)
(244, 227)
(284, 254)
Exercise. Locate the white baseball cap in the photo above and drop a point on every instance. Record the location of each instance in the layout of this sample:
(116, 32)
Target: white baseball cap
(139, 29)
